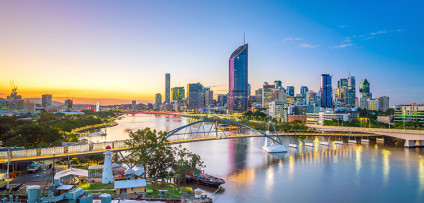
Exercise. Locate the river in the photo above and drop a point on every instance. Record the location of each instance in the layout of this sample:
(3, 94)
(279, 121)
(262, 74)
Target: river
(338, 173)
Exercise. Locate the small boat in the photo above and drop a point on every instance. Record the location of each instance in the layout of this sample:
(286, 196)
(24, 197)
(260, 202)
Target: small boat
(205, 179)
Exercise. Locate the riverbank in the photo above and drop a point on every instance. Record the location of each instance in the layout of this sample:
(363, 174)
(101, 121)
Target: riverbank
(92, 127)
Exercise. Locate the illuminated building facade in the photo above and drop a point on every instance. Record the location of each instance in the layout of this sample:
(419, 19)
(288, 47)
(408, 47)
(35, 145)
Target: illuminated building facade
(238, 80)
(326, 91)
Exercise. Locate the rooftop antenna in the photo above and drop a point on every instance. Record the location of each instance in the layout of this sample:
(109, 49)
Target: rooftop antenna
(244, 38)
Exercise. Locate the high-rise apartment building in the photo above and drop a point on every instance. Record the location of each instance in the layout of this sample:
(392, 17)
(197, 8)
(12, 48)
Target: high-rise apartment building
(383, 103)
(204, 90)
(194, 96)
(46, 100)
(167, 88)
(290, 91)
(326, 91)
(238, 80)
(158, 101)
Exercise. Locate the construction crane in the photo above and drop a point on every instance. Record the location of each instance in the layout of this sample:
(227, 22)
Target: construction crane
(13, 86)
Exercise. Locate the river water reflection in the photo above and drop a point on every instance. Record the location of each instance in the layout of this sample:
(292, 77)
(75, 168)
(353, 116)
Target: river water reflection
(337, 173)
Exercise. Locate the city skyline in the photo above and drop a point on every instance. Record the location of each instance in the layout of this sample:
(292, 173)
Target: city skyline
(114, 53)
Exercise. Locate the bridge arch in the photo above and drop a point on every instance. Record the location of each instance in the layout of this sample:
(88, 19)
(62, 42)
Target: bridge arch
(172, 132)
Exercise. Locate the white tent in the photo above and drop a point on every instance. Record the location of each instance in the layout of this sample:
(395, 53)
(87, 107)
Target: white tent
(71, 171)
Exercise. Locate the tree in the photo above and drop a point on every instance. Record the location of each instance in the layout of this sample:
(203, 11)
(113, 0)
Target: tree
(186, 162)
(143, 144)
(161, 163)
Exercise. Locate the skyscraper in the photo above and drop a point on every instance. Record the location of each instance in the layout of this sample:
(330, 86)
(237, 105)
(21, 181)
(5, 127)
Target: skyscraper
(383, 103)
(326, 91)
(364, 89)
(290, 91)
(341, 92)
(194, 96)
(46, 100)
(167, 88)
(278, 84)
(208, 98)
(222, 99)
(238, 82)
(351, 91)
(133, 104)
(267, 94)
(304, 90)
(177, 93)
(158, 101)
(204, 90)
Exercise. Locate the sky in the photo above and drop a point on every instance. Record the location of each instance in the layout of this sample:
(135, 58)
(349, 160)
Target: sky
(118, 51)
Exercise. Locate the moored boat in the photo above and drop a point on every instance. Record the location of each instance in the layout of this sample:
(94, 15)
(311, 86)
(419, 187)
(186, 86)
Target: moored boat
(205, 179)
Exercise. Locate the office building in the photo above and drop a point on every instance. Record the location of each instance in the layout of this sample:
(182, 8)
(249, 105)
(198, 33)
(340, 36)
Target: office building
(304, 90)
(290, 91)
(351, 91)
(204, 90)
(209, 98)
(373, 104)
(326, 91)
(46, 100)
(407, 113)
(383, 103)
(278, 110)
(69, 104)
(282, 95)
(167, 88)
(177, 93)
(311, 98)
(321, 117)
(267, 94)
(365, 93)
(134, 104)
(278, 84)
(238, 80)
(222, 100)
(194, 96)
(341, 91)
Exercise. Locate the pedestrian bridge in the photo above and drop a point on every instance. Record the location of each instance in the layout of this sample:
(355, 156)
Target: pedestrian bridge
(203, 130)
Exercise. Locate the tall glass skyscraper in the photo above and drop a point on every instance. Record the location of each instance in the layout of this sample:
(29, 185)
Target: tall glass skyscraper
(351, 91)
(238, 83)
(326, 91)
(167, 88)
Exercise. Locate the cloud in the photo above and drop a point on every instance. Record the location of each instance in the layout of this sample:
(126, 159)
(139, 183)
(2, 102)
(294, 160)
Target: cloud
(341, 46)
(307, 45)
(292, 39)
(378, 32)
(349, 41)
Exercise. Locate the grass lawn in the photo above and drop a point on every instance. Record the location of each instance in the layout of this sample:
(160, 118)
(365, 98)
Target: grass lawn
(96, 186)
(172, 189)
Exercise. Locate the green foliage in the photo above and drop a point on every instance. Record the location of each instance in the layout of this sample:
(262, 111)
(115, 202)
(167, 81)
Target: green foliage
(150, 149)
(47, 130)
(412, 125)
(356, 123)
(143, 143)
(33, 136)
